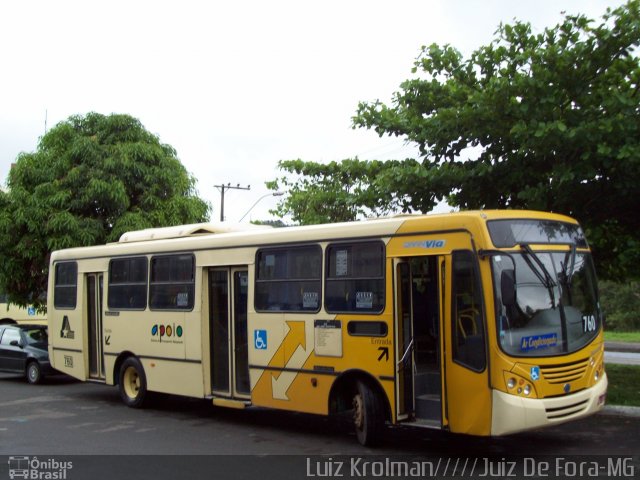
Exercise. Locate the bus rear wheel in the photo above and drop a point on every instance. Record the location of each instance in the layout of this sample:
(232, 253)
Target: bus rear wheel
(368, 416)
(133, 383)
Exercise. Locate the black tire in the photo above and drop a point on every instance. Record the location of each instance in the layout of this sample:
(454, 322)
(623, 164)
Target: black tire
(368, 416)
(133, 383)
(34, 373)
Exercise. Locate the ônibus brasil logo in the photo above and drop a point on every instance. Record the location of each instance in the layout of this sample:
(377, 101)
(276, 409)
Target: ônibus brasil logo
(166, 332)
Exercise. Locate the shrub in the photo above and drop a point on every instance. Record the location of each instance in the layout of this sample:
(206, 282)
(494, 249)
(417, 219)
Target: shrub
(621, 305)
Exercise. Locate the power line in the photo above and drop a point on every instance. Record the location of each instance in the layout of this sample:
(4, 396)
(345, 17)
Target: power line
(222, 189)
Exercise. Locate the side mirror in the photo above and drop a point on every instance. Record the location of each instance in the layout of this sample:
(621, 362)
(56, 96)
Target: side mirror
(15, 343)
(508, 287)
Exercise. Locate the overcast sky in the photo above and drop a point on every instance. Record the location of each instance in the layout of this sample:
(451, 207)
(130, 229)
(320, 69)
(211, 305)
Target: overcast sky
(234, 86)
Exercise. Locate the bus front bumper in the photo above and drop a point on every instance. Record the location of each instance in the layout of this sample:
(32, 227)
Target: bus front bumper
(511, 413)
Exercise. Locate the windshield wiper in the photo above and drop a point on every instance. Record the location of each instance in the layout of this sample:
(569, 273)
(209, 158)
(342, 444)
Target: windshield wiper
(541, 272)
(566, 275)
(569, 265)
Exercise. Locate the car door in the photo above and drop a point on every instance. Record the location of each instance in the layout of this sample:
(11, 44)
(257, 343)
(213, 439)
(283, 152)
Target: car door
(2, 357)
(12, 355)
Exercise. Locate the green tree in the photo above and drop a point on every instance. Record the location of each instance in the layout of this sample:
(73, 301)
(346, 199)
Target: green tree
(333, 192)
(547, 121)
(270, 223)
(621, 304)
(91, 179)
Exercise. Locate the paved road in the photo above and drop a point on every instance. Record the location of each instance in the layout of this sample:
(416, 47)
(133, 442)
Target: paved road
(626, 358)
(67, 417)
(626, 353)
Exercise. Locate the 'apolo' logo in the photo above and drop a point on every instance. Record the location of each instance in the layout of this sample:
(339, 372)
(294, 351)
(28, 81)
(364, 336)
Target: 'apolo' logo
(168, 331)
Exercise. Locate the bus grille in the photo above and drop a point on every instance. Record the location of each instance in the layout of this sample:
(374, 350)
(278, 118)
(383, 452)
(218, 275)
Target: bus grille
(568, 372)
(566, 410)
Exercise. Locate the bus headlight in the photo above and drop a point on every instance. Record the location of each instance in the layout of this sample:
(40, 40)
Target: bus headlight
(517, 385)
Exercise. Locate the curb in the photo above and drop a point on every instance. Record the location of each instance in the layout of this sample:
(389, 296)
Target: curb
(620, 411)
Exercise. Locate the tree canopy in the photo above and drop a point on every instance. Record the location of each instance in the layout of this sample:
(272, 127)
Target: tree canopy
(547, 121)
(333, 192)
(91, 179)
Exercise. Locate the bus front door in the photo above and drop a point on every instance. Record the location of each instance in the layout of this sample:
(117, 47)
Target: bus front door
(419, 386)
(228, 341)
(467, 394)
(94, 283)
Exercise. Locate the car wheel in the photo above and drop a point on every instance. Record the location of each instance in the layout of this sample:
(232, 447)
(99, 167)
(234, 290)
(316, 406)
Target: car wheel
(133, 383)
(34, 373)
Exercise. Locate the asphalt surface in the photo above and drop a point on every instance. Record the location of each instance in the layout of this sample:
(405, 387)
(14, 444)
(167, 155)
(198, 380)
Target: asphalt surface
(87, 426)
(624, 358)
(625, 353)
(63, 416)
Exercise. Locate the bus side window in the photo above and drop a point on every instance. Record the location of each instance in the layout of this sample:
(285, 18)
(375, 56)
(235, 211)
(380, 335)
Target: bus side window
(128, 283)
(172, 285)
(65, 286)
(288, 279)
(355, 277)
(466, 313)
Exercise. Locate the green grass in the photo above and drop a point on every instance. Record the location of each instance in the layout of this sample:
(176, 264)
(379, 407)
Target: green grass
(624, 384)
(622, 336)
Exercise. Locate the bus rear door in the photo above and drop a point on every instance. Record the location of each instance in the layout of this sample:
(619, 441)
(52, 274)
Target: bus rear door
(94, 296)
(228, 288)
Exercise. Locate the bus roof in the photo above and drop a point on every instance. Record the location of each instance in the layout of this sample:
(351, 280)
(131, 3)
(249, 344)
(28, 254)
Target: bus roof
(209, 235)
(192, 230)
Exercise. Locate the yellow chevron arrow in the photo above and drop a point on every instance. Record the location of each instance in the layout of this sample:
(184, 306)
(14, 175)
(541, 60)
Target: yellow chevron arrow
(291, 354)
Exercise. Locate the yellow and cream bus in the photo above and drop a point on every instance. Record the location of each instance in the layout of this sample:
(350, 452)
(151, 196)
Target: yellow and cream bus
(11, 314)
(482, 323)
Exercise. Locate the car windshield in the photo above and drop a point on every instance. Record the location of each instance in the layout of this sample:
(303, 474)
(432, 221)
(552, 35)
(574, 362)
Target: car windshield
(36, 336)
(554, 307)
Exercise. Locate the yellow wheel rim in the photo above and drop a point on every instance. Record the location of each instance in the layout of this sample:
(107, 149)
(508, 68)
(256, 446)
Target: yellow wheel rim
(131, 382)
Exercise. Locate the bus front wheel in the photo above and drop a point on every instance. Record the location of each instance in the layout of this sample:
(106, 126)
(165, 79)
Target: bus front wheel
(368, 415)
(133, 383)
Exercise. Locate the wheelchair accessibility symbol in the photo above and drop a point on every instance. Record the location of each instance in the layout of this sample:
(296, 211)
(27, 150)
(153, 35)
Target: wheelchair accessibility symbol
(535, 373)
(260, 339)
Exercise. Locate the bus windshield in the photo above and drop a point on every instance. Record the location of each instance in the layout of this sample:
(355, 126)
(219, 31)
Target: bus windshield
(553, 306)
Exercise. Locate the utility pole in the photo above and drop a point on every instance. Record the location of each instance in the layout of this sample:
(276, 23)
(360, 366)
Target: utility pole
(222, 189)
